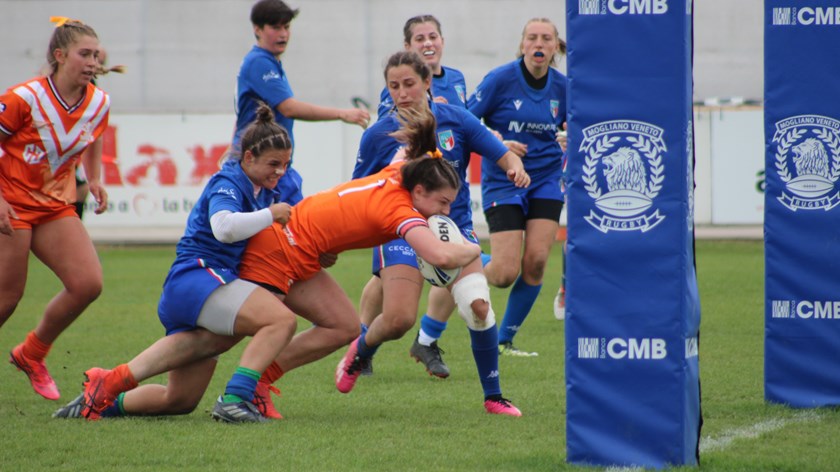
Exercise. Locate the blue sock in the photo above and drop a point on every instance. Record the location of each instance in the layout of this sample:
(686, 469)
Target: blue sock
(521, 299)
(432, 327)
(242, 385)
(485, 259)
(364, 329)
(365, 351)
(116, 408)
(485, 348)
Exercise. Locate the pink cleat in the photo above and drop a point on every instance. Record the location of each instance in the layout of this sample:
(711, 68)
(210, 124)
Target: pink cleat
(40, 379)
(349, 368)
(97, 398)
(501, 406)
(262, 400)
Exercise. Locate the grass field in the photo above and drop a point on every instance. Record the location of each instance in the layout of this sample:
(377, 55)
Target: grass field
(399, 419)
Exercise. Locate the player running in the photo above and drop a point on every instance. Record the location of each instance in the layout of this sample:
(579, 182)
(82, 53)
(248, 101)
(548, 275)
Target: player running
(458, 133)
(525, 101)
(46, 125)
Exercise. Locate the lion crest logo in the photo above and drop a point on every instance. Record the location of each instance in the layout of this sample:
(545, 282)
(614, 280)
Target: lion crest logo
(623, 157)
(809, 147)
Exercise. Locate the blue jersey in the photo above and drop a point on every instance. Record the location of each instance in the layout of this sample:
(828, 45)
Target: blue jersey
(261, 78)
(459, 134)
(449, 85)
(507, 104)
(229, 189)
(203, 263)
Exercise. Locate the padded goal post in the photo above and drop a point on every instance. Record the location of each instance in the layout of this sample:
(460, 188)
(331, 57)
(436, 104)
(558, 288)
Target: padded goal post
(633, 313)
(802, 202)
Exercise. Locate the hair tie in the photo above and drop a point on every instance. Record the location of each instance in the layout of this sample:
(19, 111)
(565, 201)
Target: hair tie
(436, 154)
(61, 20)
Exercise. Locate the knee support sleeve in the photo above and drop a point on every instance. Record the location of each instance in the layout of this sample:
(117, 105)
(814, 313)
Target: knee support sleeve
(465, 291)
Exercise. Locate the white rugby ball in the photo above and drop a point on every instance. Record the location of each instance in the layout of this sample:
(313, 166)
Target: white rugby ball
(446, 230)
(810, 185)
(623, 203)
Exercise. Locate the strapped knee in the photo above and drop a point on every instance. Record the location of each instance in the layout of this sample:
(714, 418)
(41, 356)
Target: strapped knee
(467, 290)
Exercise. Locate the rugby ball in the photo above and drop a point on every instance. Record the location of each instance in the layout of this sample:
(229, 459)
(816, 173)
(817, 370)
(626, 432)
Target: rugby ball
(447, 231)
(810, 185)
(623, 203)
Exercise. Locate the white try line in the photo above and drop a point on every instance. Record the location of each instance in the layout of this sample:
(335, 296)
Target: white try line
(709, 444)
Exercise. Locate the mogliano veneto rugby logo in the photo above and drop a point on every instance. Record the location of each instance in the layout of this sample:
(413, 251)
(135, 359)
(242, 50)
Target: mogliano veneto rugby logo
(808, 161)
(623, 172)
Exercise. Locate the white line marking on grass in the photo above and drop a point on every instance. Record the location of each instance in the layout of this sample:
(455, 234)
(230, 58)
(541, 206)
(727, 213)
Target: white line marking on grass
(709, 444)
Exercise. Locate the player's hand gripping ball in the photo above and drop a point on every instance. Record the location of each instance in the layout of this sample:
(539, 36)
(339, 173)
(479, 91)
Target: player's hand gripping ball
(447, 231)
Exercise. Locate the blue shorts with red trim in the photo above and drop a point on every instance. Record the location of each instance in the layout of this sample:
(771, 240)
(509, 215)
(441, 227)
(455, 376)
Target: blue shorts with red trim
(185, 290)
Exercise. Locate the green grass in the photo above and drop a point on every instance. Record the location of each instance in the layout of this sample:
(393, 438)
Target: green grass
(400, 419)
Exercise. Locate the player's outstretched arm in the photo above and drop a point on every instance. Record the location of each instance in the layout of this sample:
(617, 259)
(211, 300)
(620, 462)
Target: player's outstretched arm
(299, 110)
(438, 253)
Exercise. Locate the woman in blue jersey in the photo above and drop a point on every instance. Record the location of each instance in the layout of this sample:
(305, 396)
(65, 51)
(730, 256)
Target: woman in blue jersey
(204, 306)
(421, 34)
(262, 79)
(525, 101)
(458, 134)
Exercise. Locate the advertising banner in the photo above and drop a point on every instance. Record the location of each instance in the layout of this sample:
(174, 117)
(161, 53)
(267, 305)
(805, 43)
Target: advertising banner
(633, 314)
(802, 202)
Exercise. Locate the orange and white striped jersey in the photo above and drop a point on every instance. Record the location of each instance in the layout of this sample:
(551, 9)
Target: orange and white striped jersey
(46, 138)
(357, 214)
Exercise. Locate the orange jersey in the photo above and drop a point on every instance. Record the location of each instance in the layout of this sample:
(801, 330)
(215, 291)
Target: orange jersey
(46, 137)
(358, 214)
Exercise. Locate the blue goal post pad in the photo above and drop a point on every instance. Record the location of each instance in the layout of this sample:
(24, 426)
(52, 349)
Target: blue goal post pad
(632, 308)
(802, 203)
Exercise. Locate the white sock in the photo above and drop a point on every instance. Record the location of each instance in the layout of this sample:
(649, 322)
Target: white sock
(425, 339)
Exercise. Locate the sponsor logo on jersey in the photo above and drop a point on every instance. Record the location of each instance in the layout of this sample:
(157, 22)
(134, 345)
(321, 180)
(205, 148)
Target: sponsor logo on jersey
(462, 94)
(227, 191)
(446, 140)
(517, 104)
(806, 16)
(555, 107)
(808, 161)
(2, 107)
(623, 348)
(531, 127)
(623, 7)
(271, 75)
(805, 309)
(625, 158)
(33, 154)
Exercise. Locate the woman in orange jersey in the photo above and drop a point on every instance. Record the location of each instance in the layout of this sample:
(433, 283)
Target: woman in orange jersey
(365, 212)
(46, 125)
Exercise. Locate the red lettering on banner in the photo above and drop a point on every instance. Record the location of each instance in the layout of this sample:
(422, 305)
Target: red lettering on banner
(110, 169)
(206, 163)
(156, 157)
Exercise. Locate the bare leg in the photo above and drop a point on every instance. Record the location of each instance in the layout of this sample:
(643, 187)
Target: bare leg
(323, 302)
(370, 305)
(64, 246)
